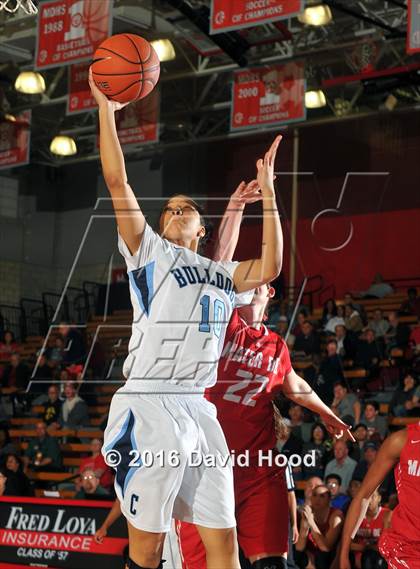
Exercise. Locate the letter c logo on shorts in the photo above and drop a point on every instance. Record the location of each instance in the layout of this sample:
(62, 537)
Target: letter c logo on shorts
(133, 502)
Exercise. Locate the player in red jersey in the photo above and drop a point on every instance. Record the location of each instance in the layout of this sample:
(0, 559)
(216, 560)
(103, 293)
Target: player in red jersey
(400, 544)
(254, 367)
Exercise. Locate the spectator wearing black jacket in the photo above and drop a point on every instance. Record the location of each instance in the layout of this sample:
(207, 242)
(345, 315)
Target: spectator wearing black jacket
(368, 352)
(398, 334)
(74, 351)
(346, 342)
(307, 342)
(402, 397)
(330, 371)
(18, 484)
(16, 374)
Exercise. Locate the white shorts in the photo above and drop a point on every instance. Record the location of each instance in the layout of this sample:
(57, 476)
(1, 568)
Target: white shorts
(171, 460)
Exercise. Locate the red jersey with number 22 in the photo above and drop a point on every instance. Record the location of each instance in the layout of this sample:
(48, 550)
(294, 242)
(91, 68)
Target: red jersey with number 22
(251, 371)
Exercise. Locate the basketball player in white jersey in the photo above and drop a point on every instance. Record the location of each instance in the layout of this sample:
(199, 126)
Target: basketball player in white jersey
(159, 422)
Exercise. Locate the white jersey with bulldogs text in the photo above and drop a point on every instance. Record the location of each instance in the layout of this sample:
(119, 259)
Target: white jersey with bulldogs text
(182, 303)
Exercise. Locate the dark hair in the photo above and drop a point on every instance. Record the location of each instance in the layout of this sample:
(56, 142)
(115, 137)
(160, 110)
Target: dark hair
(374, 404)
(332, 341)
(8, 332)
(208, 226)
(325, 311)
(332, 475)
(336, 383)
(358, 426)
(321, 426)
(15, 456)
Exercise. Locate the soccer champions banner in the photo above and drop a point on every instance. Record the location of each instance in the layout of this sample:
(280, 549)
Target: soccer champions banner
(237, 14)
(264, 96)
(40, 532)
(80, 97)
(15, 139)
(139, 122)
(69, 31)
(413, 32)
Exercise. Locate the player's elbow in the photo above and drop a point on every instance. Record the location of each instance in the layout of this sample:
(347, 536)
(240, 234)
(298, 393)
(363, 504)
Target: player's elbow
(115, 183)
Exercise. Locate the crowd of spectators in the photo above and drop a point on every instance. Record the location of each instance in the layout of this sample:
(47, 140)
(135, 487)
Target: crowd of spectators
(323, 350)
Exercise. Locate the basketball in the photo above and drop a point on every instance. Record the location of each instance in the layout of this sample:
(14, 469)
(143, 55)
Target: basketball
(125, 68)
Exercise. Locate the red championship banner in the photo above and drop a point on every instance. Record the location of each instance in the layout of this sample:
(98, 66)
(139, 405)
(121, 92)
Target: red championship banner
(139, 122)
(268, 95)
(69, 31)
(80, 98)
(237, 14)
(41, 532)
(15, 137)
(413, 22)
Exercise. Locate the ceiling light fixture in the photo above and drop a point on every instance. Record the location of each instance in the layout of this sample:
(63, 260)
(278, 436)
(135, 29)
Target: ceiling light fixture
(315, 99)
(30, 83)
(164, 49)
(63, 146)
(316, 15)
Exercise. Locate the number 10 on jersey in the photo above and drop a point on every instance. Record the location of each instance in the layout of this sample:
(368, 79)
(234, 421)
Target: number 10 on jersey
(219, 315)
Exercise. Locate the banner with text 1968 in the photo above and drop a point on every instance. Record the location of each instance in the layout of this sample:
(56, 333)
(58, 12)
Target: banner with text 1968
(413, 22)
(237, 14)
(268, 95)
(70, 30)
(15, 138)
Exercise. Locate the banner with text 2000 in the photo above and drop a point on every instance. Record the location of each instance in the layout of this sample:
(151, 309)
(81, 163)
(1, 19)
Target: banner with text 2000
(268, 95)
(237, 14)
(70, 30)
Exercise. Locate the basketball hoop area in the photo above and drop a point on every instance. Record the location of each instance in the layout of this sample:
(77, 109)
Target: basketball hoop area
(12, 6)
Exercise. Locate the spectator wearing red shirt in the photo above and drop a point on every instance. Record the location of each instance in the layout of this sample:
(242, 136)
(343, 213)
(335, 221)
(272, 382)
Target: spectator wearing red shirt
(97, 463)
(8, 346)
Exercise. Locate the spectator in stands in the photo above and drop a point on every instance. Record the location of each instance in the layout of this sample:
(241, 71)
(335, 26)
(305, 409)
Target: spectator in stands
(368, 352)
(329, 311)
(300, 319)
(307, 343)
(311, 483)
(288, 444)
(400, 403)
(337, 320)
(398, 334)
(43, 371)
(281, 329)
(338, 498)
(320, 444)
(52, 407)
(353, 488)
(330, 370)
(365, 544)
(377, 426)
(346, 405)
(74, 411)
(319, 531)
(18, 484)
(16, 374)
(378, 324)
(97, 463)
(6, 445)
(277, 309)
(415, 339)
(300, 429)
(341, 464)
(346, 342)
(350, 299)
(411, 306)
(55, 354)
(43, 452)
(74, 350)
(352, 319)
(370, 451)
(8, 346)
(360, 433)
(378, 289)
(413, 405)
(91, 489)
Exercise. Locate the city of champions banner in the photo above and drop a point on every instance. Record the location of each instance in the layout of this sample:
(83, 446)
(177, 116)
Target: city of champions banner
(237, 14)
(268, 95)
(42, 532)
(15, 139)
(69, 31)
(413, 24)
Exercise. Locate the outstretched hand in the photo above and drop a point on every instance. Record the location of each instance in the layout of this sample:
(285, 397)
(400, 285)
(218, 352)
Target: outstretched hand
(265, 167)
(102, 99)
(337, 427)
(247, 193)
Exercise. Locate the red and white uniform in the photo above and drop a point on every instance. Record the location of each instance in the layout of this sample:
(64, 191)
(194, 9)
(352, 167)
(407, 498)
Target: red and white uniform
(250, 373)
(400, 544)
(370, 531)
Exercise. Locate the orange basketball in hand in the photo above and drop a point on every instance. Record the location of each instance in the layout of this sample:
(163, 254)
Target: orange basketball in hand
(125, 68)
